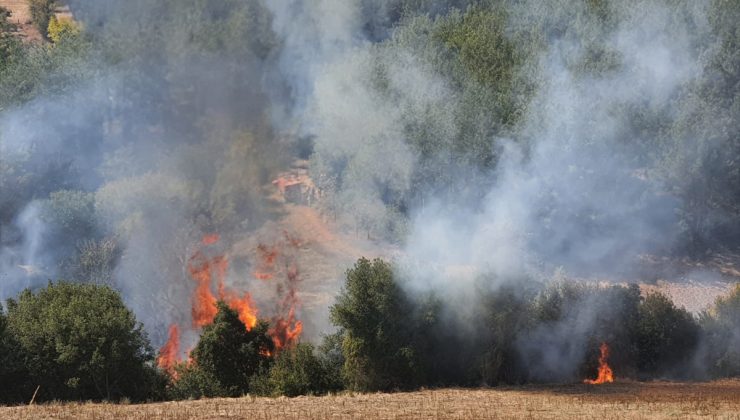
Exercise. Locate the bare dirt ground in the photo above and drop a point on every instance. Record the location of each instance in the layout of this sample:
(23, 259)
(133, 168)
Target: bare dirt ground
(21, 16)
(625, 400)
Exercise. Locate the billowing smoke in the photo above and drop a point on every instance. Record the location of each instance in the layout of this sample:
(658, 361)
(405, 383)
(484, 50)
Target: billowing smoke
(536, 161)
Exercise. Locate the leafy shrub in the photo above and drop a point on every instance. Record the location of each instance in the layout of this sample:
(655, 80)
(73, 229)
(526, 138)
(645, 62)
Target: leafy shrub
(372, 311)
(296, 371)
(193, 382)
(81, 342)
(667, 336)
(721, 326)
(59, 30)
(226, 357)
(14, 382)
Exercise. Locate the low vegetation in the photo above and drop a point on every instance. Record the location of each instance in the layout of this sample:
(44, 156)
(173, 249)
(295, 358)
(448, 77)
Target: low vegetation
(79, 342)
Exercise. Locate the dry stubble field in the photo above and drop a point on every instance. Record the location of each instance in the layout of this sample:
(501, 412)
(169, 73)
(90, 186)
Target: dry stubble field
(625, 400)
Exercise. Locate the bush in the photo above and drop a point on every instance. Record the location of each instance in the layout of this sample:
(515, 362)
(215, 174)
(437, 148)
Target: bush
(14, 384)
(80, 342)
(570, 321)
(59, 30)
(192, 382)
(372, 310)
(721, 327)
(296, 371)
(505, 314)
(226, 358)
(667, 337)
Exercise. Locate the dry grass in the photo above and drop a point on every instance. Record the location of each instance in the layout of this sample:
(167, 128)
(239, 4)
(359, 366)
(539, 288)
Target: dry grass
(626, 400)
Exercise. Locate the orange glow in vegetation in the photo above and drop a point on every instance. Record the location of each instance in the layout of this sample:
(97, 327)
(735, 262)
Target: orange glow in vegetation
(211, 239)
(277, 262)
(605, 372)
(266, 264)
(168, 357)
(203, 270)
(244, 306)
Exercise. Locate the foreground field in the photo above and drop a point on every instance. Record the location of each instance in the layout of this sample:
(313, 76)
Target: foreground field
(612, 401)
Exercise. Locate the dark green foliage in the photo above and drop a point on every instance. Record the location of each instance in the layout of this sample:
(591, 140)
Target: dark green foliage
(297, 371)
(10, 45)
(332, 359)
(667, 337)
(721, 330)
(226, 357)
(15, 385)
(505, 313)
(193, 383)
(372, 311)
(81, 342)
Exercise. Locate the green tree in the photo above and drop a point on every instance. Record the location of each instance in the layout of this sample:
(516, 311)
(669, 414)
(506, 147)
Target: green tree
(721, 327)
(667, 336)
(14, 382)
(81, 342)
(373, 312)
(10, 45)
(230, 354)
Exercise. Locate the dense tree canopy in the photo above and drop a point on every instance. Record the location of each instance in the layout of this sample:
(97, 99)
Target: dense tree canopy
(81, 342)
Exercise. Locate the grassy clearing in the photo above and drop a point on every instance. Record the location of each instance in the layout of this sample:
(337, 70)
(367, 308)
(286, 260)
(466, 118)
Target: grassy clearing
(612, 401)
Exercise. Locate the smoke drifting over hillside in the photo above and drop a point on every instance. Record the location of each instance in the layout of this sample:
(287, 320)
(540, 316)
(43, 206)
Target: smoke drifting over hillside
(175, 129)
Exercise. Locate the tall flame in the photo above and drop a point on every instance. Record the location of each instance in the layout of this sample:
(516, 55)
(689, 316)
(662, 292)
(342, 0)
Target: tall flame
(605, 372)
(207, 270)
(168, 356)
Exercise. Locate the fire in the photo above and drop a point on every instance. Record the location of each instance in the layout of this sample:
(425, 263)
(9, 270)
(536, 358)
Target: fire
(202, 270)
(605, 372)
(211, 239)
(168, 356)
(204, 302)
(286, 331)
(244, 306)
(267, 257)
(209, 271)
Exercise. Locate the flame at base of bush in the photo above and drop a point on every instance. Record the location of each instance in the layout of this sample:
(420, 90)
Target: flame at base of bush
(286, 328)
(605, 372)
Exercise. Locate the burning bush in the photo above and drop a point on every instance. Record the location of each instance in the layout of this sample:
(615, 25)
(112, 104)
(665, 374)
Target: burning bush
(226, 358)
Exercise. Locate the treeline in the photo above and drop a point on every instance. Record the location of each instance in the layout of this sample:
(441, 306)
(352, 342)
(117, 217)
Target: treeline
(79, 342)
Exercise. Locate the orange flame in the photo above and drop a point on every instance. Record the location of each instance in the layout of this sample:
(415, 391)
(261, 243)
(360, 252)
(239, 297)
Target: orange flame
(244, 306)
(605, 372)
(204, 302)
(168, 357)
(211, 239)
(286, 328)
